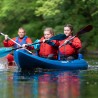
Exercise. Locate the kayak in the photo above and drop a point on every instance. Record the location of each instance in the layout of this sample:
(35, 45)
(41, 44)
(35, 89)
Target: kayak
(28, 61)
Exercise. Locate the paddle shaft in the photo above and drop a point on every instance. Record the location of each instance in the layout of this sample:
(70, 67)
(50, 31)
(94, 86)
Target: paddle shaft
(34, 43)
(37, 43)
(56, 37)
(11, 40)
(68, 41)
(17, 48)
(82, 31)
(15, 42)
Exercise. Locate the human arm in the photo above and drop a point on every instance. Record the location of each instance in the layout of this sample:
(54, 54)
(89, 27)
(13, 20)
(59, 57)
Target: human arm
(53, 43)
(28, 41)
(8, 43)
(76, 43)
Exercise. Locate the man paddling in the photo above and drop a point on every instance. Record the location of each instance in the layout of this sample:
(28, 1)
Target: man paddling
(22, 40)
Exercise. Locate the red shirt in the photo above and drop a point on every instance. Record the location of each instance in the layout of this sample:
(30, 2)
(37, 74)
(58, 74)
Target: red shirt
(72, 49)
(10, 43)
(46, 49)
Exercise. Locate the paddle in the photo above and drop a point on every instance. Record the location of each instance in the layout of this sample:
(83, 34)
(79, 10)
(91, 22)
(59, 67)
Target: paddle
(5, 51)
(15, 42)
(82, 31)
(56, 37)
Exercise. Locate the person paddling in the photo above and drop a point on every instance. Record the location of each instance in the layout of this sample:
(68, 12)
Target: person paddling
(22, 39)
(48, 49)
(69, 49)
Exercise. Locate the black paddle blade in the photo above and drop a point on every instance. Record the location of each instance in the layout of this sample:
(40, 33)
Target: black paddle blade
(58, 37)
(85, 29)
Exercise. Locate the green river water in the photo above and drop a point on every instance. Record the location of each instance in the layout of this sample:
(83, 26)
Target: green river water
(50, 84)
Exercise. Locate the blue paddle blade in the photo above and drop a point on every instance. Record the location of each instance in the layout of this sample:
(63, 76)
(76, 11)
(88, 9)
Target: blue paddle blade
(5, 51)
(36, 44)
(58, 37)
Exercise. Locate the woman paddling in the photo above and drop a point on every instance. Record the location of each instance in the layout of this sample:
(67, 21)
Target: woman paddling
(48, 49)
(69, 49)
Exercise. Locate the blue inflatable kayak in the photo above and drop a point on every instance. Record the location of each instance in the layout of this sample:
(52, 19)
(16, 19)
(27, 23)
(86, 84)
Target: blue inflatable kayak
(27, 61)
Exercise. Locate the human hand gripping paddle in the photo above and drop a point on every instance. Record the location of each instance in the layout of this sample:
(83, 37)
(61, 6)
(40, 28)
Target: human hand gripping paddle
(15, 43)
(82, 31)
(63, 36)
(56, 37)
(36, 44)
(5, 51)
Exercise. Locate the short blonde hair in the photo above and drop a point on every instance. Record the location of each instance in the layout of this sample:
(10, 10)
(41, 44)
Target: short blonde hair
(21, 28)
(50, 30)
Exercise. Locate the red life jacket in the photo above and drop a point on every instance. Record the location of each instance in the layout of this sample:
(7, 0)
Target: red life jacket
(46, 49)
(72, 49)
(26, 40)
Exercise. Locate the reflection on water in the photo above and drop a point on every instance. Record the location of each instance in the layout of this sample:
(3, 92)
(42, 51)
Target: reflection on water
(68, 85)
(47, 86)
(40, 85)
(53, 84)
(25, 85)
(3, 85)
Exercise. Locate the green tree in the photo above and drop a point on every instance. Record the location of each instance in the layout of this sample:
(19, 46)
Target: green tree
(35, 15)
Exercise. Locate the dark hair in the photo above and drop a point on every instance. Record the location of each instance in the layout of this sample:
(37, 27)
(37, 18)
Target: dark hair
(70, 26)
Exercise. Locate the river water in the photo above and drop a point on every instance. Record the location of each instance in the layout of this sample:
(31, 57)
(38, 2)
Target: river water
(50, 84)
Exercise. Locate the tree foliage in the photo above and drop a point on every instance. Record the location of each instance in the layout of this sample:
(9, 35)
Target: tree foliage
(35, 15)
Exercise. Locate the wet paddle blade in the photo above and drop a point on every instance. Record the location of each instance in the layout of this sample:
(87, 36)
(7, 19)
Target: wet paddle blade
(5, 51)
(58, 37)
